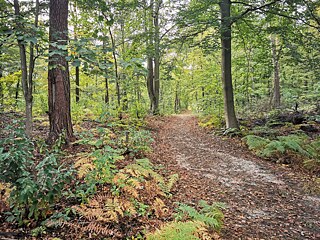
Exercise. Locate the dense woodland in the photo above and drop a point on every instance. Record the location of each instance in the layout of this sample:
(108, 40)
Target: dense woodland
(81, 82)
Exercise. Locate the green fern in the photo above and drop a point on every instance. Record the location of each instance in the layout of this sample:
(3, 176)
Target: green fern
(256, 143)
(272, 148)
(295, 143)
(211, 215)
(176, 231)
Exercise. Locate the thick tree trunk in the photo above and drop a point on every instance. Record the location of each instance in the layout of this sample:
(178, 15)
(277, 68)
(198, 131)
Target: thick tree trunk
(58, 75)
(230, 116)
(276, 73)
(150, 82)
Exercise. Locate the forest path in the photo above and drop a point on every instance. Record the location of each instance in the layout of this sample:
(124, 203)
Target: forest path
(264, 200)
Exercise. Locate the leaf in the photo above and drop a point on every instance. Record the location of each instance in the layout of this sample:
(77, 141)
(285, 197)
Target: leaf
(76, 63)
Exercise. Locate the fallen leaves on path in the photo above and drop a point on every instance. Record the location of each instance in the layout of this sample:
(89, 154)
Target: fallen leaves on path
(264, 201)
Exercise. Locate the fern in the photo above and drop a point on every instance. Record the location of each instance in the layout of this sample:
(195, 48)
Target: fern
(272, 148)
(159, 208)
(166, 187)
(176, 231)
(211, 215)
(256, 143)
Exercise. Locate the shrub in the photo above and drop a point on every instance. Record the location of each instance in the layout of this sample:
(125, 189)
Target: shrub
(35, 186)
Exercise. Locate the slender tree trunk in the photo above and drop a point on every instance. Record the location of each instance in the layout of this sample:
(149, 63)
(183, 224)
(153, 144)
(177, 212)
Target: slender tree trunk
(106, 80)
(58, 75)
(276, 73)
(77, 69)
(1, 87)
(17, 90)
(115, 69)
(27, 74)
(230, 116)
(156, 85)
(77, 84)
(150, 53)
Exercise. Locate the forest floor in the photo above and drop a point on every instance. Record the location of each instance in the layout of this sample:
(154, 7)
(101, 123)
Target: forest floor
(264, 200)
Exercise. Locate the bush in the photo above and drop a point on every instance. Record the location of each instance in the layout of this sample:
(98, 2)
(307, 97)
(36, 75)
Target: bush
(35, 185)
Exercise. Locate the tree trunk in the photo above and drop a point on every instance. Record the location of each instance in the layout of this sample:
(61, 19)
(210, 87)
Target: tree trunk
(77, 68)
(276, 73)
(1, 87)
(150, 54)
(27, 75)
(115, 70)
(230, 116)
(58, 75)
(156, 79)
(77, 84)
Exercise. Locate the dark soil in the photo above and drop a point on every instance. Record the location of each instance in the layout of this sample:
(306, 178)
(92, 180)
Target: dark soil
(264, 200)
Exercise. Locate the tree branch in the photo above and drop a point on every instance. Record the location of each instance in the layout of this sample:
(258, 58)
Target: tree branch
(252, 9)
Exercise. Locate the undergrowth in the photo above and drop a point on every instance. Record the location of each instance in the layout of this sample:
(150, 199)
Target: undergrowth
(101, 191)
(283, 146)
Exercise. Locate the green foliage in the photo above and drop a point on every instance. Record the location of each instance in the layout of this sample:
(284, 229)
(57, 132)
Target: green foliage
(256, 143)
(36, 184)
(299, 144)
(176, 231)
(211, 215)
(104, 168)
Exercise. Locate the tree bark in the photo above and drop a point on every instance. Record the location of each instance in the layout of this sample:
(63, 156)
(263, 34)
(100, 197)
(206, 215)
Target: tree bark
(115, 70)
(227, 88)
(1, 87)
(77, 84)
(150, 53)
(156, 79)
(276, 74)
(106, 80)
(58, 75)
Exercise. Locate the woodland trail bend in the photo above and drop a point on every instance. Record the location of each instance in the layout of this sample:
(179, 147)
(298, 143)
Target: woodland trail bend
(264, 201)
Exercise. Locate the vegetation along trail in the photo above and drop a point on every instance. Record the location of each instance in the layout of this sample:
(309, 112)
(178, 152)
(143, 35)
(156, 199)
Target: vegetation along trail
(263, 201)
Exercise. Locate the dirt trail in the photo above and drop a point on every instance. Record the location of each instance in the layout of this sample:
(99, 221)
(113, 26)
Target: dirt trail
(264, 201)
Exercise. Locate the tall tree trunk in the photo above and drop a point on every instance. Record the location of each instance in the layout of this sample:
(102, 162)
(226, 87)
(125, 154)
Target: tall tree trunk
(27, 74)
(276, 73)
(150, 53)
(77, 70)
(230, 116)
(77, 84)
(1, 87)
(115, 69)
(156, 85)
(58, 75)
(106, 97)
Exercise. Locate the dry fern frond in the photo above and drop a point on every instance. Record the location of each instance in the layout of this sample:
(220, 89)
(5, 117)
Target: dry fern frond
(128, 207)
(204, 234)
(114, 208)
(152, 190)
(98, 229)
(84, 169)
(131, 190)
(172, 180)
(159, 207)
(82, 160)
(119, 177)
(84, 165)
